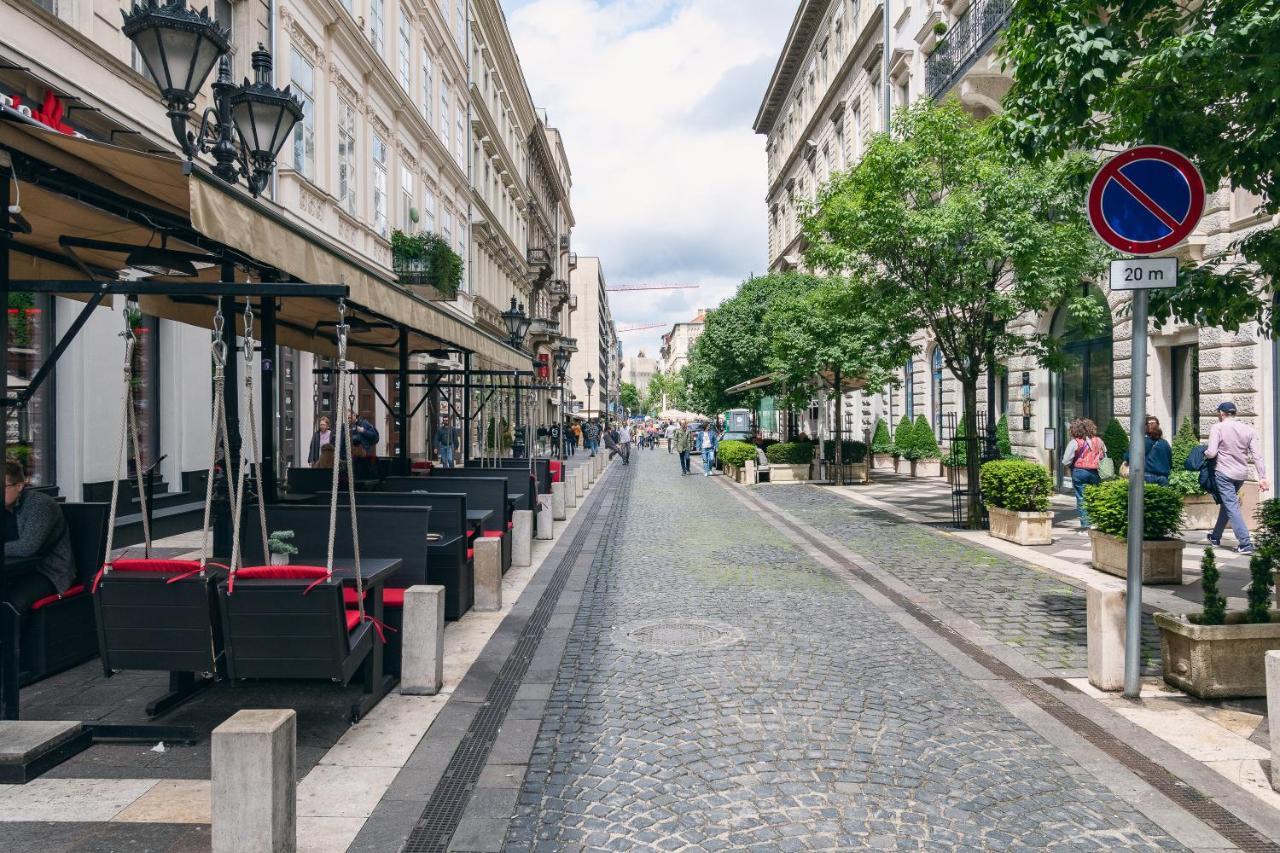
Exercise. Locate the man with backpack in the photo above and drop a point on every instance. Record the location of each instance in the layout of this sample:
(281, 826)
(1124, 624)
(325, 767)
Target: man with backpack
(1232, 445)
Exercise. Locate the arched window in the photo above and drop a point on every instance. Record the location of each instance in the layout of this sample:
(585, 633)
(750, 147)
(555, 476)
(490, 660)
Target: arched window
(1083, 389)
(909, 386)
(935, 390)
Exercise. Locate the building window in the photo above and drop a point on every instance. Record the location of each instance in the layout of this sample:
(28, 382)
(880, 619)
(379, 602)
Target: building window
(877, 103)
(428, 210)
(838, 32)
(935, 390)
(302, 77)
(460, 22)
(346, 4)
(446, 225)
(857, 134)
(904, 93)
(377, 25)
(444, 112)
(909, 387)
(379, 185)
(459, 134)
(347, 156)
(406, 198)
(29, 433)
(428, 85)
(1184, 397)
(406, 47)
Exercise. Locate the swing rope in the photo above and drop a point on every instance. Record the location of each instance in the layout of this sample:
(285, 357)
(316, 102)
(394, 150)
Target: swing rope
(128, 429)
(346, 403)
(254, 459)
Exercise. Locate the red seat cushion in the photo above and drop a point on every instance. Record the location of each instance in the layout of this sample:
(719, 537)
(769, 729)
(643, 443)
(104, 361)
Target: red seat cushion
(555, 472)
(353, 619)
(282, 573)
(393, 597)
(493, 534)
(511, 525)
(72, 592)
(471, 553)
(144, 565)
(349, 596)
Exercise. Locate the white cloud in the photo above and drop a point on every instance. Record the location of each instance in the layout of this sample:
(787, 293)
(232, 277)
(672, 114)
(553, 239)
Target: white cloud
(655, 99)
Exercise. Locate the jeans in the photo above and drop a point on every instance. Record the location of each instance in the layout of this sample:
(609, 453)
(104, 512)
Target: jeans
(668, 445)
(708, 461)
(591, 445)
(446, 457)
(1158, 479)
(1228, 490)
(25, 590)
(684, 462)
(1081, 477)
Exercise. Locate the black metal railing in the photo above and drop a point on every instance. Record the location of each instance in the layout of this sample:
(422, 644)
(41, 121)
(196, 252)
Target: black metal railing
(968, 39)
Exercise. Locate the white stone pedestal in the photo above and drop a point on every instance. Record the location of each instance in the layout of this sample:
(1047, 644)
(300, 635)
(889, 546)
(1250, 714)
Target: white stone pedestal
(488, 568)
(255, 798)
(546, 524)
(422, 658)
(522, 537)
(1104, 621)
(580, 482)
(570, 490)
(557, 502)
(1273, 713)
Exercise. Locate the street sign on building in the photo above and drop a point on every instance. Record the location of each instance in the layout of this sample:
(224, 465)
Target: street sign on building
(1146, 200)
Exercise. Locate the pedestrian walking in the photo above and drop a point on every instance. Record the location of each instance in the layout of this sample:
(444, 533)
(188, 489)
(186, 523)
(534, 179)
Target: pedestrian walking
(446, 443)
(624, 444)
(1233, 445)
(575, 437)
(591, 435)
(708, 441)
(671, 432)
(684, 444)
(1159, 455)
(1083, 455)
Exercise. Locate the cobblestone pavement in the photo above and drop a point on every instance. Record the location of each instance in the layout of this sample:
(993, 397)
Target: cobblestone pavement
(720, 690)
(1019, 605)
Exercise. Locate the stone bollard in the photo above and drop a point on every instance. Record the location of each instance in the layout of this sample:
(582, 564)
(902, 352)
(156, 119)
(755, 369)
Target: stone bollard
(557, 502)
(254, 792)
(1273, 713)
(522, 537)
(422, 658)
(570, 489)
(1104, 609)
(488, 565)
(749, 472)
(579, 482)
(546, 526)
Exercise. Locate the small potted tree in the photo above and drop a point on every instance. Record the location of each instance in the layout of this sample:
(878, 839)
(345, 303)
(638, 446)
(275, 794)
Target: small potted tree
(735, 455)
(1199, 509)
(1003, 445)
(882, 446)
(1116, 441)
(1108, 508)
(904, 446)
(927, 463)
(1016, 493)
(955, 465)
(1221, 654)
(789, 461)
(280, 546)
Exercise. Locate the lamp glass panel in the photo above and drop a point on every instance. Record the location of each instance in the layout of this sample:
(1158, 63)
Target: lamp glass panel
(207, 55)
(148, 44)
(181, 49)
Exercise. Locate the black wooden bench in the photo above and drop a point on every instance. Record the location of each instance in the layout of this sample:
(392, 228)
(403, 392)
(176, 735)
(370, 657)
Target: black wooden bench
(482, 493)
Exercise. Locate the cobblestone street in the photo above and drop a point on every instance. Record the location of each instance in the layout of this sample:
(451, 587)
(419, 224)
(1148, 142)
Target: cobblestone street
(720, 689)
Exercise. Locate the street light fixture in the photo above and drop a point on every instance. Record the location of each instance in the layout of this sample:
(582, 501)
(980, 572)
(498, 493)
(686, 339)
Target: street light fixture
(589, 382)
(517, 323)
(247, 125)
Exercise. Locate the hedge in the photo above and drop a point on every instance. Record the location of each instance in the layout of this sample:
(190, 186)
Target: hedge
(1108, 508)
(1003, 444)
(1116, 441)
(926, 443)
(790, 453)
(1184, 441)
(851, 452)
(880, 441)
(736, 453)
(904, 439)
(1016, 485)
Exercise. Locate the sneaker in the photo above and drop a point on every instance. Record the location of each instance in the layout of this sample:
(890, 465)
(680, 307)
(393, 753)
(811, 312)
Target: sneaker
(1215, 542)
(1245, 549)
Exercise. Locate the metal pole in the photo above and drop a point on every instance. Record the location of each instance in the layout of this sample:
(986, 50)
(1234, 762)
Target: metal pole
(884, 69)
(1137, 493)
(8, 616)
(466, 408)
(1275, 385)
(267, 384)
(519, 445)
(402, 403)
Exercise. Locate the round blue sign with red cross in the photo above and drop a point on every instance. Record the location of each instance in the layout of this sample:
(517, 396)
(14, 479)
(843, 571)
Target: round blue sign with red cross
(1146, 200)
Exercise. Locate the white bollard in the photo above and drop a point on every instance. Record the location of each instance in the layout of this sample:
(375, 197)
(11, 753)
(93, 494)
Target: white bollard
(579, 482)
(749, 471)
(1273, 713)
(557, 502)
(254, 792)
(522, 537)
(488, 567)
(422, 658)
(570, 489)
(1104, 619)
(546, 528)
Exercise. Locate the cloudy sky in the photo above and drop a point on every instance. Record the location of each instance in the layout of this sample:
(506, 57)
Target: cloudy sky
(655, 99)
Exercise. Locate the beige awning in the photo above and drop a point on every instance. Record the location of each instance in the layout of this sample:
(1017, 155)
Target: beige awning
(217, 213)
(827, 377)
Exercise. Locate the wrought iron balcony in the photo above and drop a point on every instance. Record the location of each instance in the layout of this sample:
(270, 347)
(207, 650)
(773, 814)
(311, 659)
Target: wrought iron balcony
(969, 38)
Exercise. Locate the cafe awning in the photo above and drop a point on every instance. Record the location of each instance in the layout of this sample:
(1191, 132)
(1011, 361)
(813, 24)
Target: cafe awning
(767, 380)
(71, 186)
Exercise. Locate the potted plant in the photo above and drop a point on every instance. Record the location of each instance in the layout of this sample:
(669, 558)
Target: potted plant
(1003, 445)
(927, 462)
(1116, 441)
(904, 446)
(789, 461)
(1016, 493)
(280, 546)
(853, 459)
(1199, 509)
(882, 446)
(955, 465)
(1221, 654)
(735, 455)
(427, 261)
(1108, 508)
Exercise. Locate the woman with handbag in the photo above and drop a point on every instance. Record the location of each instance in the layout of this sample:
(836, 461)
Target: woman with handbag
(1083, 455)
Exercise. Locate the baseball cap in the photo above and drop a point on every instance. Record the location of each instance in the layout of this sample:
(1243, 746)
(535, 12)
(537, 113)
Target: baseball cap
(1228, 407)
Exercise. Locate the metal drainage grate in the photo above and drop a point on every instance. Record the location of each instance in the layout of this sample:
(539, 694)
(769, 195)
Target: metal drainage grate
(673, 636)
(443, 812)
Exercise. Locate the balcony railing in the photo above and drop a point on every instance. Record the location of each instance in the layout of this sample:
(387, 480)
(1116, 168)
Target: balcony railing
(968, 39)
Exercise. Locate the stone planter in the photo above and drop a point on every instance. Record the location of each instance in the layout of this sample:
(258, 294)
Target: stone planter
(1199, 512)
(1022, 528)
(904, 465)
(883, 460)
(1161, 558)
(279, 559)
(788, 473)
(853, 472)
(959, 475)
(1217, 661)
(927, 468)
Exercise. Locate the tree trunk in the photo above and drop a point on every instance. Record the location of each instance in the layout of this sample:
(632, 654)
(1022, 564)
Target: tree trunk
(969, 386)
(839, 426)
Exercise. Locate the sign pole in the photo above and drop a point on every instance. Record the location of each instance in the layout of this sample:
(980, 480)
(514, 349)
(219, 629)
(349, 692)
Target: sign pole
(1137, 494)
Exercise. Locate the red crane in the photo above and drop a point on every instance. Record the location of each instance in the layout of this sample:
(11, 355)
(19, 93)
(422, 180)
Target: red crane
(622, 288)
(622, 330)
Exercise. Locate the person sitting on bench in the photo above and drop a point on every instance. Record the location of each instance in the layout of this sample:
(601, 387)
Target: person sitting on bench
(35, 530)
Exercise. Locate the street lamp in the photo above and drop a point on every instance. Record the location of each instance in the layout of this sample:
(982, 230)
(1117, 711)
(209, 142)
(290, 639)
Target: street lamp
(517, 323)
(247, 125)
(589, 382)
(561, 359)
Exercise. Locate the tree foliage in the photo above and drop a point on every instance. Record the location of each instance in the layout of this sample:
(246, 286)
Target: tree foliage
(1198, 77)
(629, 397)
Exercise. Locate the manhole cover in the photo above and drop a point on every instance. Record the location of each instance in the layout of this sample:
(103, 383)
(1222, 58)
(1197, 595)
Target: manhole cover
(672, 636)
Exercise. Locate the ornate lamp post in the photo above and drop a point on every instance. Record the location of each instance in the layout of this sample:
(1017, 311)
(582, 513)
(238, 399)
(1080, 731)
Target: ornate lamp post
(247, 125)
(517, 323)
(561, 359)
(589, 382)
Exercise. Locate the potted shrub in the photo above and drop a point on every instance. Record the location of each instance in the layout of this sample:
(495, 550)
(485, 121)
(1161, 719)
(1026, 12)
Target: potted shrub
(1003, 444)
(853, 458)
(426, 261)
(927, 458)
(1016, 493)
(789, 461)
(280, 546)
(1199, 509)
(882, 446)
(1117, 444)
(955, 466)
(735, 455)
(1108, 508)
(904, 446)
(1221, 654)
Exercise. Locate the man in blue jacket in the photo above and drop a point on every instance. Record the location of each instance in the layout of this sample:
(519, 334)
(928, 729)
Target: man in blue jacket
(708, 441)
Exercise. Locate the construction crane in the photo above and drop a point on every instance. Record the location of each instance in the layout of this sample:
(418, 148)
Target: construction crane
(622, 330)
(622, 288)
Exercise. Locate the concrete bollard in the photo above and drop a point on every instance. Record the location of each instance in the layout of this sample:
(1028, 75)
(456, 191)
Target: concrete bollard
(1104, 618)
(522, 537)
(557, 502)
(580, 482)
(546, 528)
(1273, 713)
(570, 490)
(749, 471)
(488, 564)
(422, 659)
(254, 792)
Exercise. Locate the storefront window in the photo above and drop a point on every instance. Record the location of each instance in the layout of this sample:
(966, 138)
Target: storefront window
(29, 429)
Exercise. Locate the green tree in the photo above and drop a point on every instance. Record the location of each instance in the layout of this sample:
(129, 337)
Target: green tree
(1199, 77)
(1003, 444)
(904, 439)
(629, 397)
(820, 332)
(1215, 606)
(951, 232)
(1116, 441)
(880, 440)
(925, 441)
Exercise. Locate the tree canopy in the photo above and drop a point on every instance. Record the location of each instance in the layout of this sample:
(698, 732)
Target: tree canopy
(1198, 77)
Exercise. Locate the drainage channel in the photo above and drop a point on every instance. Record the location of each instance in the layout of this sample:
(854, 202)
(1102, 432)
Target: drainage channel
(439, 820)
(1189, 798)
